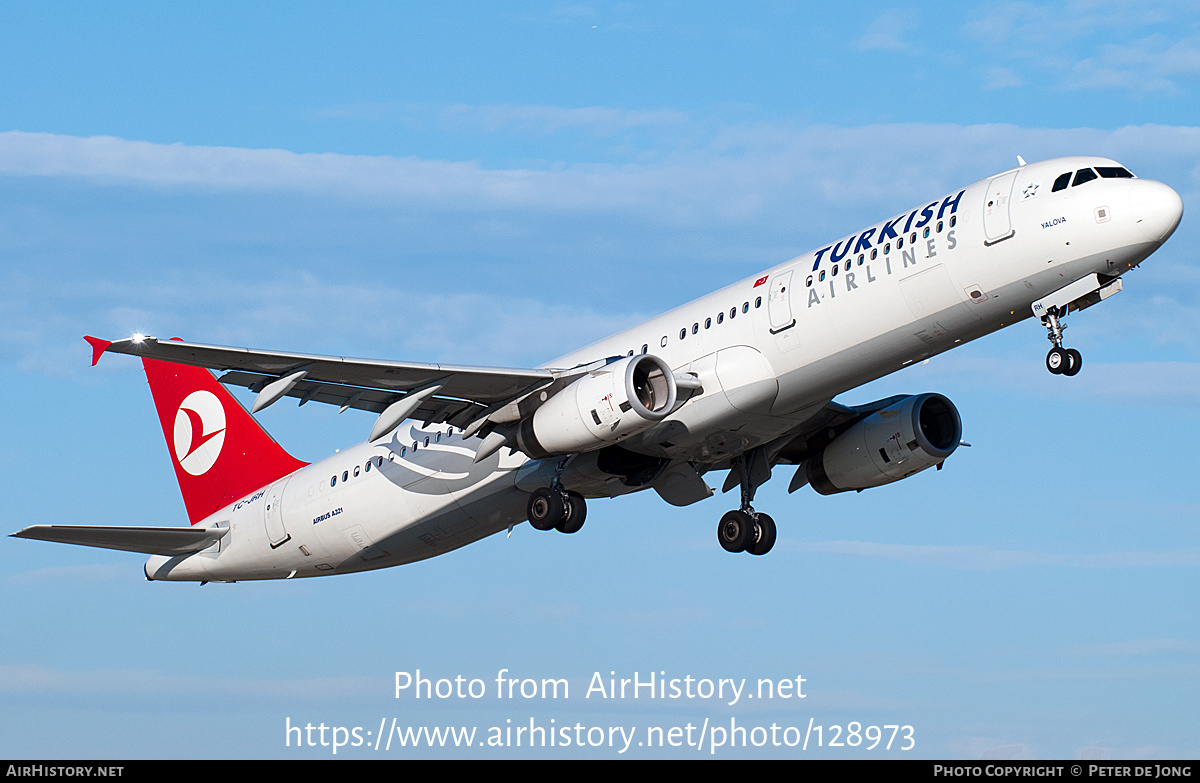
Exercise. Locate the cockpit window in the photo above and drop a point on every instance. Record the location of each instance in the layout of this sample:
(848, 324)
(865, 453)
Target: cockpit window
(1082, 176)
(1114, 172)
(1061, 183)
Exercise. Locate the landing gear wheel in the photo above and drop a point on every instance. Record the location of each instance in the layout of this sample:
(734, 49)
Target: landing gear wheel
(1057, 361)
(576, 513)
(764, 535)
(735, 531)
(1075, 363)
(547, 508)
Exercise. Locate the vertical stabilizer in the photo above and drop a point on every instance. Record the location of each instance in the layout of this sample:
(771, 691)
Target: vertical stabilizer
(219, 451)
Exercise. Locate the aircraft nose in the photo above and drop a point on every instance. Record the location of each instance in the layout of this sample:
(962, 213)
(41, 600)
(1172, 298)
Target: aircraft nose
(1156, 209)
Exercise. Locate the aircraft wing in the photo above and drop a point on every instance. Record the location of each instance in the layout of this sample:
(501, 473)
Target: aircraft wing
(147, 540)
(832, 420)
(465, 393)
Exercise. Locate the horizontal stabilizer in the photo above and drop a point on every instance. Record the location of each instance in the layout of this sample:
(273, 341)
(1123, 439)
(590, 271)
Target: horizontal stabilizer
(147, 540)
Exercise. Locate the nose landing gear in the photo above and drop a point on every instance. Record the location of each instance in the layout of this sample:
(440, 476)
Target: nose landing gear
(1060, 361)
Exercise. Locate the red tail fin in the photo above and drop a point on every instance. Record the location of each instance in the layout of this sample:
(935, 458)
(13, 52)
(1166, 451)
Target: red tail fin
(219, 451)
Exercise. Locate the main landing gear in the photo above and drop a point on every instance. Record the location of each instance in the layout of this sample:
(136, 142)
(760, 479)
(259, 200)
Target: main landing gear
(1060, 361)
(558, 509)
(746, 530)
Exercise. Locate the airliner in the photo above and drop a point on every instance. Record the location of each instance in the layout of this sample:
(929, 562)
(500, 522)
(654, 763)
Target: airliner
(741, 380)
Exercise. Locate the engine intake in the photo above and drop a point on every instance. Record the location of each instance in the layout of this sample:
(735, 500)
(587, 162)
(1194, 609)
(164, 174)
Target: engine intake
(604, 407)
(914, 434)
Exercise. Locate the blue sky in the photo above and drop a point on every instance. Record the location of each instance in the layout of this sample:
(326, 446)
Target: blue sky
(472, 184)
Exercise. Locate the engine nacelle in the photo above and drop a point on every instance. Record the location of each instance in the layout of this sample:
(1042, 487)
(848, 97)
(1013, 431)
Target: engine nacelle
(603, 407)
(914, 434)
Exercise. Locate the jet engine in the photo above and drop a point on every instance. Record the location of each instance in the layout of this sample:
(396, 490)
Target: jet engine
(604, 407)
(905, 438)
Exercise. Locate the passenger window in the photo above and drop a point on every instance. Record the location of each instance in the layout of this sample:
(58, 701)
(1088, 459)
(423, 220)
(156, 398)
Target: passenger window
(721, 318)
(707, 323)
(1082, 176)
(646, 348)
(367, 468)
(345, 476)
(696, 328)
(333, 481)
(860, 259)
(732, 313)
(356, 471)
(682, 333)
(953, 220)
(900, 243)
(758, 302)
(833, 272)
(939, 227)
(1061, 183)
(746, 305)
(809, 281)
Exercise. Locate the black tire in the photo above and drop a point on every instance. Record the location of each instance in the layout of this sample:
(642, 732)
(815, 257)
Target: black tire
(546, 508)
(576, 514)
(765, 535)
(1057, 361)
(735, 530)
(1075, 362)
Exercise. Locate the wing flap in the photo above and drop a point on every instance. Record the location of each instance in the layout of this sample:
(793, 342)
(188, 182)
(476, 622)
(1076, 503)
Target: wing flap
(438, 408)
(168, 541)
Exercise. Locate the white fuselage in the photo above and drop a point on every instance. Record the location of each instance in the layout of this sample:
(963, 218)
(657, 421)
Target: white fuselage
(769, 351)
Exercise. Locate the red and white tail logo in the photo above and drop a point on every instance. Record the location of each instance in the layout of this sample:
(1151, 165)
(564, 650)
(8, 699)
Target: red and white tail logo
(199, 432)
(219, 451)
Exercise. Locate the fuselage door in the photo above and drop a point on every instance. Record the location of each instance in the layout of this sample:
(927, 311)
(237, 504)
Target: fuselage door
(997, 223)
(779, 302)
(273, 516)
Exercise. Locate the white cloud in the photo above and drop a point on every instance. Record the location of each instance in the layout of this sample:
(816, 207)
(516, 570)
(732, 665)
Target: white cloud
(1162, 385)
(778, 183)
(998, 78)
(546, 120)
(1152, 64)
(886, 33)
(1130, 52)
(533, 120)
(743, 172)
(448, 184)
(276, 312)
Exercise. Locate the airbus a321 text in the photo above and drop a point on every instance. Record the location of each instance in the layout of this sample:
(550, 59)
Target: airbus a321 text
(742, 379)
